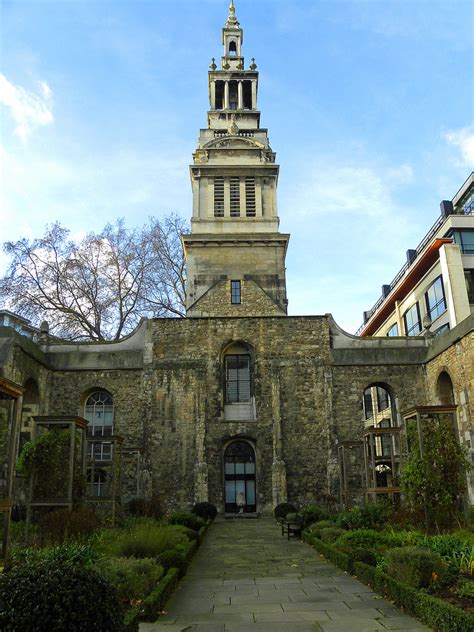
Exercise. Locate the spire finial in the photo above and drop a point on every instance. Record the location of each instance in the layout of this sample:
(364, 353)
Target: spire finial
(232, 21)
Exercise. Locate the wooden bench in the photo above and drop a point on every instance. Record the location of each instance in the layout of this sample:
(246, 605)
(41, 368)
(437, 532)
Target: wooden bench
(292, 524)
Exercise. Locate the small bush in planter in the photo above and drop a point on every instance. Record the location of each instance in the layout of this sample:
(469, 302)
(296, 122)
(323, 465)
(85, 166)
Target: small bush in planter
(331, 534)
(207, 511)
(133, 579)
(187, 519)
(312, 514)
(414, 566)
(52, 597)
(283, 509)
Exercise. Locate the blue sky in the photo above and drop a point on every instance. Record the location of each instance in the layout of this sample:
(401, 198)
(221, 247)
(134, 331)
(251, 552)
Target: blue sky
(369, 106)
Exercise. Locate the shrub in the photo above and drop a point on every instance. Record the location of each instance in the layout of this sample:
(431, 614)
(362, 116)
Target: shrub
(132, 579)
(316, 527)
(82, 555)
(187, 519)
(415, 566)
(368, 516)
(146, 508)
(173, 558)
(466, 589)
(282, 509)
(362, 538)
(312, 514)
(62, 525)
(52, 597)
(207, 511)
(331, 534)
(367, 556)
(141, 540)
(191, 534)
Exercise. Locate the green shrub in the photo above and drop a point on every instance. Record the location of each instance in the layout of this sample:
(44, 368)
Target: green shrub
(466, 589)
(316, 527)
(53, 597)
(62, 525)
(143, 539)
(415, 566)
(372, 515)
(145, 507)
(190, 534)
(207, 511)
(153, 604)
(312, 514)
(403, 538)
(133, 579)
(173, 558)
(69, 554)
(187, 519)
(367, 556)
(282, 509)
(361, 538)
(331, 534)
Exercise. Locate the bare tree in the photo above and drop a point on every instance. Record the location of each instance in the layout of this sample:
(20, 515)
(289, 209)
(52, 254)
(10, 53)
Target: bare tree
(97, 288)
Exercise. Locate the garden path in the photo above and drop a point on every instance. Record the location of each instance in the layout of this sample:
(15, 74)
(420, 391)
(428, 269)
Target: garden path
(247, 577)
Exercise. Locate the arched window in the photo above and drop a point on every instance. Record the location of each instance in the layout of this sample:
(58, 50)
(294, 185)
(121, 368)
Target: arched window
(444, 389)
(237, 374)
(378, 405)
(238, 383)
(99, 412)
(232, 48)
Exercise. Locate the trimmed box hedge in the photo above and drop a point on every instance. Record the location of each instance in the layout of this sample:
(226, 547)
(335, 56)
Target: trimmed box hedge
(434, 612)
(155, 602)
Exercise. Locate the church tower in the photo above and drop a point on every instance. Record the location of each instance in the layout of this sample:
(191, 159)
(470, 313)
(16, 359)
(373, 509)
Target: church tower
(235, 254)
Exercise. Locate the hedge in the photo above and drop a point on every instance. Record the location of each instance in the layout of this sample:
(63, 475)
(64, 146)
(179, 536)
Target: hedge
(154, 603)
(436, 613)
(131, 621)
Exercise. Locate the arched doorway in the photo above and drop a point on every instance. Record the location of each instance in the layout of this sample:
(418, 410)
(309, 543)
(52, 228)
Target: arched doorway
(239, 475)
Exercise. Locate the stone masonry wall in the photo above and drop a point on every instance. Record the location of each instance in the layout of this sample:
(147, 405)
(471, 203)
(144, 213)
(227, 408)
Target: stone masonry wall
(254, 301)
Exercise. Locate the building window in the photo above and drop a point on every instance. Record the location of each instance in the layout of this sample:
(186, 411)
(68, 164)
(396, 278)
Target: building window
(235, 197)
(469, 276)
(393, 330)
(412, 321)
(237, 378)
(235, 297)
(441, 330)
(383, 399)
(435, 300)
(464, 239)
(368, 407)
(219, 196)
(233, 95)
(250, 207)
(99, 412)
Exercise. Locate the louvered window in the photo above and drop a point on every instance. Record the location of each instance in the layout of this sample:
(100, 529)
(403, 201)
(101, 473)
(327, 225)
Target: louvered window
(250, 197)
(235, 197)
(219, 196)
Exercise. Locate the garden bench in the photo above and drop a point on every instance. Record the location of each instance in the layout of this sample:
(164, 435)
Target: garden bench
(292, 524)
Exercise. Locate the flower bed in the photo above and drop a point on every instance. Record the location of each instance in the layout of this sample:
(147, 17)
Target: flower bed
(428, 570)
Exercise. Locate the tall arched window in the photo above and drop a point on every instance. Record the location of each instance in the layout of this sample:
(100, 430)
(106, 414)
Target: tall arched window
(238, 383)
(99, 412)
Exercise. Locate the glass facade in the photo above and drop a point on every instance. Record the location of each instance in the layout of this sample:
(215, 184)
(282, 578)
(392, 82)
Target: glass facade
(393, 330)
(464, 238)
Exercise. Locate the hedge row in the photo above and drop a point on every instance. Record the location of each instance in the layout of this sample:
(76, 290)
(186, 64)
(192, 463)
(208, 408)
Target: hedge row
(436, 613)
(155, 602)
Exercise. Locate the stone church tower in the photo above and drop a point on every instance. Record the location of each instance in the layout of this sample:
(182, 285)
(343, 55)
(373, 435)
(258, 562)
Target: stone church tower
(235, 254)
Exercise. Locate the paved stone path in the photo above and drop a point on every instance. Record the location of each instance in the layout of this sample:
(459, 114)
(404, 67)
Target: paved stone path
(247, 577)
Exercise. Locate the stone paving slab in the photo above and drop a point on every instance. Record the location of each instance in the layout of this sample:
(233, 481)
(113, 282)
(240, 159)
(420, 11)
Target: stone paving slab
(246, 577)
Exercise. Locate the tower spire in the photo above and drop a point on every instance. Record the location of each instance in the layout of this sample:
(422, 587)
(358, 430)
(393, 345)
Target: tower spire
(232, 21)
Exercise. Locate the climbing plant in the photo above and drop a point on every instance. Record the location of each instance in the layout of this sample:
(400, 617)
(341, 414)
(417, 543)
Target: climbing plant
(433, 478)
(47, 458)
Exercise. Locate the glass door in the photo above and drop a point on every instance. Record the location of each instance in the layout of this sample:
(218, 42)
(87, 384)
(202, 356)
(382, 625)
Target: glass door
(239, 471)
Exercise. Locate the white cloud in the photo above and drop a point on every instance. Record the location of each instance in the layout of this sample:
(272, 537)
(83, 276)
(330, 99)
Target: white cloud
(463, 139)
(28, 109)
